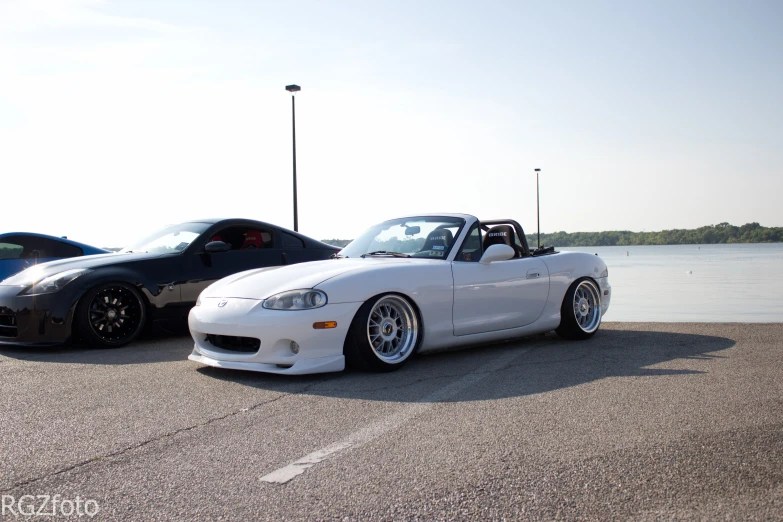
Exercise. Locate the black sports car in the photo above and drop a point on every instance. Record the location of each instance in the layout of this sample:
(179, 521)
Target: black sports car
(107, 299)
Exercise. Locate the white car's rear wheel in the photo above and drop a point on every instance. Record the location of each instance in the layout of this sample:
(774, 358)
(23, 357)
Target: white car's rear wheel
(580, 313)
(383, 335)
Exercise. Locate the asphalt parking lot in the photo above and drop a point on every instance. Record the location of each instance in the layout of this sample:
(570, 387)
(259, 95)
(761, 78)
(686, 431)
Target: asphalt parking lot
(646, 421)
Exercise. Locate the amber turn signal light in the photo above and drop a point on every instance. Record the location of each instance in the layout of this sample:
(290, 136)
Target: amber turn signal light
(325, 324)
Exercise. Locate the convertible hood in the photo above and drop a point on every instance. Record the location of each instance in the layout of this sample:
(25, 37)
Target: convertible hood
(43, 270)
(266, 282)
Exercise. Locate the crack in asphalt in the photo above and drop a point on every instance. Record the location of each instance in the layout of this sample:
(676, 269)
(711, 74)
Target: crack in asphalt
(150, 441)
(529, 350)
(173, 433)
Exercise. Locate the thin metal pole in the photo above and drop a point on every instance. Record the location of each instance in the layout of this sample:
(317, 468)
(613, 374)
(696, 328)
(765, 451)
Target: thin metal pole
(293, 126)
(538, 214)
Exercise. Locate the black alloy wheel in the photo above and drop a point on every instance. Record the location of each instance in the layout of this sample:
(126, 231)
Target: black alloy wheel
(111, 315)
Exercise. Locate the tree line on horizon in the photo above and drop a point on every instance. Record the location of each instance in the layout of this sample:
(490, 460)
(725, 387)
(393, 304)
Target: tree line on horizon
(707, 235)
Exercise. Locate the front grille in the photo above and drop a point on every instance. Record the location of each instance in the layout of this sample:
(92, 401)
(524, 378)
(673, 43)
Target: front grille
(233, 343)
(8, 326)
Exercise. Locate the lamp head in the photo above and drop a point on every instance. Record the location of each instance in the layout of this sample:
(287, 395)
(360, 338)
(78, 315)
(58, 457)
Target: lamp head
(537, 170)
(293, 88)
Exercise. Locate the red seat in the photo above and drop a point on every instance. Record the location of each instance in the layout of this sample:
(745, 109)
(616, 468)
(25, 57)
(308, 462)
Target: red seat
(253, 240)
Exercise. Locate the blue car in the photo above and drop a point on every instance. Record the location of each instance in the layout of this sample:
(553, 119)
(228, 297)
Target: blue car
(20, 250)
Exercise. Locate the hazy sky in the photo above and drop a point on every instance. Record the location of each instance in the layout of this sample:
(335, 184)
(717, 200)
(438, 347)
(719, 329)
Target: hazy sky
(120, 116)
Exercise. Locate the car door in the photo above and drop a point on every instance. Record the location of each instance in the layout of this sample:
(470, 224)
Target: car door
(249, 248)
(499, 295)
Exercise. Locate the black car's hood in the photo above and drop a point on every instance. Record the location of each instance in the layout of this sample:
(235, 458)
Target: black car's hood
(43, 270)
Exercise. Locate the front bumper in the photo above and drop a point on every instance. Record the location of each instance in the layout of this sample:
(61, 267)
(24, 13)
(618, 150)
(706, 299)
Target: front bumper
(34, 320)
(320, 350)
(606, 294)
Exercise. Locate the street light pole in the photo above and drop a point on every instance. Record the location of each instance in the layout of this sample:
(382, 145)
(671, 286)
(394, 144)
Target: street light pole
(293, 89)
(538, 214)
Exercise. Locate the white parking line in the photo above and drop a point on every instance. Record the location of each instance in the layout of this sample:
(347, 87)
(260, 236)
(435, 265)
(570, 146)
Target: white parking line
(283, 475)
(364, 435)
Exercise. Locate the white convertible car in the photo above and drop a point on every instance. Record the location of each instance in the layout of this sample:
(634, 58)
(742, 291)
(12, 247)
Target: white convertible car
(407, 285)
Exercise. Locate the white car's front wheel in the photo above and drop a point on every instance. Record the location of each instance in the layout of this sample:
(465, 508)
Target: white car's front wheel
(384, 334)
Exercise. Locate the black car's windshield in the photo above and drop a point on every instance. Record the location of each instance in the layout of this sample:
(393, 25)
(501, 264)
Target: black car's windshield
(425, 236)
(171, 240)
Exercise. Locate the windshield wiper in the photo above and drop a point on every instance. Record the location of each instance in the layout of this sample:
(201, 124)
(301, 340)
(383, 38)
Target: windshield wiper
(385, 253)
(337, 256)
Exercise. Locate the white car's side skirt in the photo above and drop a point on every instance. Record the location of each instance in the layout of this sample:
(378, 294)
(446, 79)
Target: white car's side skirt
(542, 325)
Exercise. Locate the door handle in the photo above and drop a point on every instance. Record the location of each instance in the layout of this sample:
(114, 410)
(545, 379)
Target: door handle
(532, 274)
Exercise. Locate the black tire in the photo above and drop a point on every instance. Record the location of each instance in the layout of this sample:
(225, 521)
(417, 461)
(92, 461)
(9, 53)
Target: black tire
(111, 315)
(580, 313)
(384, 334)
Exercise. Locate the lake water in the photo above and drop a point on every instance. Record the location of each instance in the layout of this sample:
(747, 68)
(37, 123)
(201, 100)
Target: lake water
(697, 283)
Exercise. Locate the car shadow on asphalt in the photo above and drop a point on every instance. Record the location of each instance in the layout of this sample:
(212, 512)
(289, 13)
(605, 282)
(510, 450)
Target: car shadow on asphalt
(150, 349)
(528, 366)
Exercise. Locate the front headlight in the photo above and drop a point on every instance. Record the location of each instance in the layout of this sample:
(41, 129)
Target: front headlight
(55, 282)
(296, 300)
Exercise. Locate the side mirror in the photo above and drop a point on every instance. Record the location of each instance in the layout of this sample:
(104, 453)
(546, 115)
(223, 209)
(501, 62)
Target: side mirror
(497, 253)
(217, 246)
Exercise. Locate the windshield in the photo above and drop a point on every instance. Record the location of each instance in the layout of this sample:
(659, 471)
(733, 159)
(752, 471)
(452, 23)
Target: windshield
(170, 240)
(427, 236)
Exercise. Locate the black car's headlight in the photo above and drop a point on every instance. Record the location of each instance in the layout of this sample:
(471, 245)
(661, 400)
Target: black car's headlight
(55, 282)
(306, 299)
